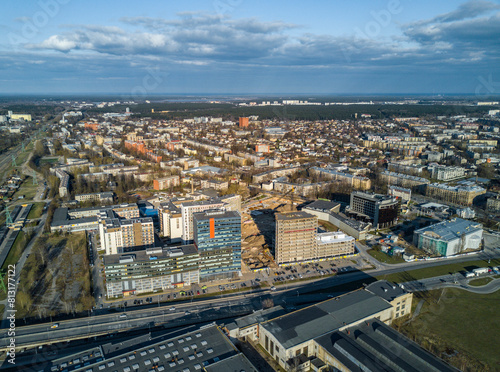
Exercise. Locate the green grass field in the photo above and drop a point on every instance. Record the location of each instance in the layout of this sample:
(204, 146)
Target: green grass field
(461, 327)
(36, 210)
(480, 282)
(430, 272)
(27, 189)
(385, 258)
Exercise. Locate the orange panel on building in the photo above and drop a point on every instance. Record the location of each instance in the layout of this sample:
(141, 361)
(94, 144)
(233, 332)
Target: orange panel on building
(212, 228)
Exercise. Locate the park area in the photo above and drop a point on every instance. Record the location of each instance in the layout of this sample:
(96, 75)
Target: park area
(459, 326)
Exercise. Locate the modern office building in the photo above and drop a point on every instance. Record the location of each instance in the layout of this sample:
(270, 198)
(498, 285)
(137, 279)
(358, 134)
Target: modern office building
(295, 238)
(151, 269)
(382, 210)
(118, 236)
(217, 236)
(188, 209)
(448, 238)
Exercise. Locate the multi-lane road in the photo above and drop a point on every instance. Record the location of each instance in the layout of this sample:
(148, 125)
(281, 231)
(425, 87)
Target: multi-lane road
(202, 310)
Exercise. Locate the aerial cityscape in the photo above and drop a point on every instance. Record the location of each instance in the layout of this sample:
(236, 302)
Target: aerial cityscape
(250, 186)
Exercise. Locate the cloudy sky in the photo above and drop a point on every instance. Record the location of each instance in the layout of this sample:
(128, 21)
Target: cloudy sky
(250, 46)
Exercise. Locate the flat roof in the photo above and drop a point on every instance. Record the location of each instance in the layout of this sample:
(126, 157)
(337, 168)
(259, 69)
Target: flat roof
(206, 215)
(388, 291)
(322, 205)
(451, 229)
(146, 254)
(293, 215)
(236, 362)
(314, 321)
(375, 346)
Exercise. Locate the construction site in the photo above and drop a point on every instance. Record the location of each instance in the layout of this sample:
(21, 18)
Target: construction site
(258, 228)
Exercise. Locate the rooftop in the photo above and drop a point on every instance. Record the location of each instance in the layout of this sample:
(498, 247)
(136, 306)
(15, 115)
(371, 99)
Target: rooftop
(148, 254)
(451, 229)
(314, 321)
(293, 216)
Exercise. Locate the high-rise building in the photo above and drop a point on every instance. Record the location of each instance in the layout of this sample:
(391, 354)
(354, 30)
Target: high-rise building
(295, 238)
(170, 218)
(243, 122)
(118, 235)
(382, 210)
(217, 235)
(187, 210)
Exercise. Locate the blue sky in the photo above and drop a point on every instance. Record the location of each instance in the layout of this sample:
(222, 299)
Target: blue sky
(244, 46)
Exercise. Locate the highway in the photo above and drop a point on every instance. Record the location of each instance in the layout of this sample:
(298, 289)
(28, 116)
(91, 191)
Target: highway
(214, 308)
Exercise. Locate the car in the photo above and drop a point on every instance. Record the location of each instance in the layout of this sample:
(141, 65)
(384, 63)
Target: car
(198, 292)
(273, 288)
(123, 315)
(55, 325)
(135, 302)
(125, 303)
(100, 306)
(172, 308)
(187, 313)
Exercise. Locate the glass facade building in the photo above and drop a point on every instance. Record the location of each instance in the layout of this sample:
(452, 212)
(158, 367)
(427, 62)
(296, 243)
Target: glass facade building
(217, 235)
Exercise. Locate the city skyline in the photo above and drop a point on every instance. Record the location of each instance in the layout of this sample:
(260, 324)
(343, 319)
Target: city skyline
(233, 46)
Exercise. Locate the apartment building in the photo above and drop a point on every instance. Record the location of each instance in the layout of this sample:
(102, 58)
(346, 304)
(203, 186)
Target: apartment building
(166, 182)
(151, 269)
(403, 180)
(101, 197)
(400, 192)
(463, 195)
(445, 173)
(295, 239)
(119, 235)
(170, 218)
(217, 236)
(355, 181)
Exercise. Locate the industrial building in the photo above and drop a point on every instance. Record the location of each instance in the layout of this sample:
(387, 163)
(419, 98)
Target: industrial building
(448, 238)
(303, 338)
(217, 236)
(151, 269)
(381, 210)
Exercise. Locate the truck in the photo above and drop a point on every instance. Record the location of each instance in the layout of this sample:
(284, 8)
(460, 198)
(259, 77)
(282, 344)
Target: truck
(481, 271)
(469, 274)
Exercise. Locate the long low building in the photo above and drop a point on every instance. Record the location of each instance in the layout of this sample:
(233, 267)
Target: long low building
(151, 269)
(294, 340)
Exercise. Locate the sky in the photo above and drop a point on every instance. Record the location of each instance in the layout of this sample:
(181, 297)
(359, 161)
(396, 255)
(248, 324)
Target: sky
(250, 47)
